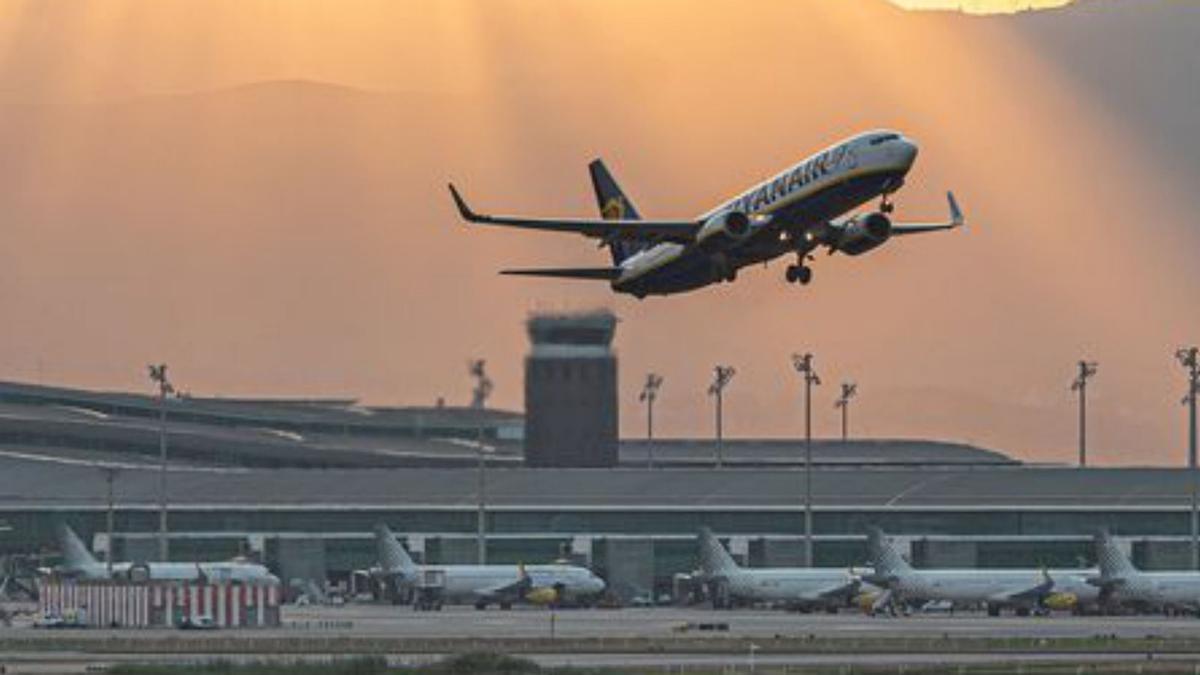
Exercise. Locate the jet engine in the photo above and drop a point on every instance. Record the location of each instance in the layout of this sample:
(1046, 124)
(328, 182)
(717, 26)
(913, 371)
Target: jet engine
(863, 233)
(139, 572)
(543, 595)
(1061, 601)
(727, 227)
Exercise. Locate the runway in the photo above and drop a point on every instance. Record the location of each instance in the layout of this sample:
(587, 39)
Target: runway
(402, 622)
(531, 622)
(29, 663)
(650, 638)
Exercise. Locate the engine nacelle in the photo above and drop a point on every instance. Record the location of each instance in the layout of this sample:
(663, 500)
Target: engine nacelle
(727, 227)
(863, 233)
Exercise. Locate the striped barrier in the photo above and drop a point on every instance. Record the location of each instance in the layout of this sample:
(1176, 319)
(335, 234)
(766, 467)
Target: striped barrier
(160, 604)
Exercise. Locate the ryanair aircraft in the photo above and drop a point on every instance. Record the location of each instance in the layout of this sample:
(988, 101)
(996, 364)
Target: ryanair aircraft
(794, 212)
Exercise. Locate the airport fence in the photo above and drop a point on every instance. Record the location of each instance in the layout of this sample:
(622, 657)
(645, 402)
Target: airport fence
(132, 604)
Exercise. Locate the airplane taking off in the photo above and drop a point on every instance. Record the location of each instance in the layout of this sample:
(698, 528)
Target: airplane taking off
(800, 587)
(1120, 582)
(794, 212)
(1023, 590)
(482, 585)
(81, 563)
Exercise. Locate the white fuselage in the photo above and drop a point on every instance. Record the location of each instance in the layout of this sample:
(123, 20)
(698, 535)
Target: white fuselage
(471, 583)
(807, 194)
(1171, 589)
(996, 586)
(799, 585)
(181, 571)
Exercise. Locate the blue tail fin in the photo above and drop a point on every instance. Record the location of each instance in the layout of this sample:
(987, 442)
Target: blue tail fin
(614, 205)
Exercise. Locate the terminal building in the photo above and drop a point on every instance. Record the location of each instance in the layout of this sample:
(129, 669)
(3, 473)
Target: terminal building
(635, 526)
(301, 483)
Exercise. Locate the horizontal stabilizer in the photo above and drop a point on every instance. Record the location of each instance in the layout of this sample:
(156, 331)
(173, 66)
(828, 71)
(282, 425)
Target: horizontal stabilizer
(598, 273)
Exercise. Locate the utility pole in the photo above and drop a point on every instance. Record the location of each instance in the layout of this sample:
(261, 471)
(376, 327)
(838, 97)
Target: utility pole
(849, 390)
(803, 363)
(1189, 358)
(649, 393)
(158, 375)
(721, 377)
(479, 396)
(1087, 370)
(110, 475)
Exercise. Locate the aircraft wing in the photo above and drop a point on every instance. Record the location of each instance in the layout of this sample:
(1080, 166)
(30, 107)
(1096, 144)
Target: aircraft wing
(847, 589)
(594, 273)
(681, 231)
(1026, 594)
(1105, 582)
(956, 221)
(509, 590)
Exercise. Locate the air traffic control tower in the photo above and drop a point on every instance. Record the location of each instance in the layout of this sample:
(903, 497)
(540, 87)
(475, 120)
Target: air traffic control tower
(571, 391)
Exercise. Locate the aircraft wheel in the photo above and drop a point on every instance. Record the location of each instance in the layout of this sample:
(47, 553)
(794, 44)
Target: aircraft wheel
(481, 606)
(993, 610)
(791, 274)
(804, 275)
(506, 606)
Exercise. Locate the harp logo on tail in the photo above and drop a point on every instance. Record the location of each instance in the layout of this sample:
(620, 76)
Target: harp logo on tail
(613, 209)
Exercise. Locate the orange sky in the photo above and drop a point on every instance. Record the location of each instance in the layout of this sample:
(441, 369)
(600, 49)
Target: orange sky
(296, 238)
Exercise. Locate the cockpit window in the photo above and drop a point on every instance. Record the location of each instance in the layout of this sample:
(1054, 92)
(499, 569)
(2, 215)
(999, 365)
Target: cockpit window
(884, 138)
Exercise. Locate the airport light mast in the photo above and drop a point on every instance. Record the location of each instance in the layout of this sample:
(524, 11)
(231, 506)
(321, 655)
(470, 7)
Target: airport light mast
(110, 476)
(849, 391)
(648, 395)
(158, 375)
(1189, 358)
(479, 395)
(1087, 370)
(721, 377)
(803, 363)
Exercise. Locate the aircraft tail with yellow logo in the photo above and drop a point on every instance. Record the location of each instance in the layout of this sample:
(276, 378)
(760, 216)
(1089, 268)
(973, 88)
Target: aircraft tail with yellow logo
(614, 205)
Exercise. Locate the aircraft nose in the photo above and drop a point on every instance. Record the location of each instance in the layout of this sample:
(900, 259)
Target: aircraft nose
(906, 151)
(597, 584)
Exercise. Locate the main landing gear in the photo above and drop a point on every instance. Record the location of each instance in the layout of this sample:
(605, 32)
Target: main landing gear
(886, 206)
(799, 272)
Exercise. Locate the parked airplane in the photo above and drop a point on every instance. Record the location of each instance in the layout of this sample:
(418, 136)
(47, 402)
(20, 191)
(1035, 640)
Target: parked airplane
(793, 212)
(79, 562)
(801, 587)
(1120, 582)
(483, 585)
(1023, 590)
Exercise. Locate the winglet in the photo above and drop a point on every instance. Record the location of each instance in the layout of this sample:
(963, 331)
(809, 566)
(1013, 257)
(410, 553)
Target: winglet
(956, 214)
(463, 210)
